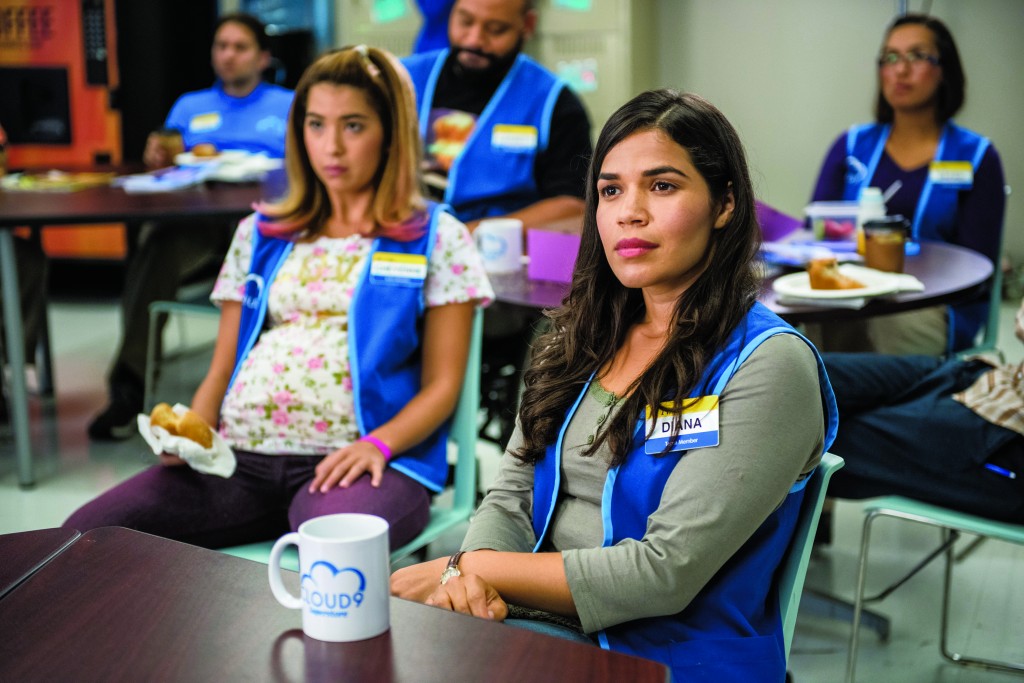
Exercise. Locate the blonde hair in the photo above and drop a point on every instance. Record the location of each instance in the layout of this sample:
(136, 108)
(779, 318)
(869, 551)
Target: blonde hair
(398, 207)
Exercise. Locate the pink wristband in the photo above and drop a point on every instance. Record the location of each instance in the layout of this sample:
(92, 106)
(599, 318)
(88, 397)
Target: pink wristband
(381, 446)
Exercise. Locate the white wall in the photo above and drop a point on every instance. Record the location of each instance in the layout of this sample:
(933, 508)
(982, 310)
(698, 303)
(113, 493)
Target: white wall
(792, 74)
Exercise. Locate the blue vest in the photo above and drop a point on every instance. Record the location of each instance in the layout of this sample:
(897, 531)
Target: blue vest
(732, 630)
(935, 216)
(493, 175)
(384, 344)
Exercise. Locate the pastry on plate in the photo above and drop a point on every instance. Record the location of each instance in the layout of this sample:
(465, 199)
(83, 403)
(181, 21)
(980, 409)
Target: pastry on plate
(824, 274)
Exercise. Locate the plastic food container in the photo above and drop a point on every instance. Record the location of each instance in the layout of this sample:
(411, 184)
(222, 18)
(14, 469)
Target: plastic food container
(833, 220)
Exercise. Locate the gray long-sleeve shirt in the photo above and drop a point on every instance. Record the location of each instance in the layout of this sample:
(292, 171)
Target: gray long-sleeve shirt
(771, 435)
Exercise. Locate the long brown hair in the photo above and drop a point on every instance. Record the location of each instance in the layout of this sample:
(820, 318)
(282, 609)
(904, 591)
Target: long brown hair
(398, 205)
(591, 325)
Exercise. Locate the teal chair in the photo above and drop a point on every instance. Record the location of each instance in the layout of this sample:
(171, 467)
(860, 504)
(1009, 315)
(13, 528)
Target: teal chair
(989, 336)
(442, 518)
(195, 303)
(794, 565)
(952, 524)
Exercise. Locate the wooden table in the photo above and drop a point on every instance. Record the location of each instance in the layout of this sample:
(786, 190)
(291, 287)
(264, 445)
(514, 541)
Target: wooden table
(25, 552)
(950, 274)
(91, 206)
(122, 605)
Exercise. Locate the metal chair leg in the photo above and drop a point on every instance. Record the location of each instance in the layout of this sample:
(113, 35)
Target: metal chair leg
(956, 657)
(151, 361)
(44, 358)
(858, 597)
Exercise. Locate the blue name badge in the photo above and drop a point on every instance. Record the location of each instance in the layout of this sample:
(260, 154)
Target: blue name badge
(398, 270)
(696, 425)
(956, 175)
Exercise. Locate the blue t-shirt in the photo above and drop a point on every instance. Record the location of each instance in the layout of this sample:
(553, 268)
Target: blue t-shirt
(254, 123)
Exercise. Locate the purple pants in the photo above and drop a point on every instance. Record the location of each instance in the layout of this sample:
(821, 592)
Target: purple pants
(264, 499)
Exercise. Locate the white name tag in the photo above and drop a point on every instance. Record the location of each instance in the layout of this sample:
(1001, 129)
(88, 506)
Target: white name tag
(402, 270)
(954, 174)
(697, 426)
(514, 138)
(204, 122)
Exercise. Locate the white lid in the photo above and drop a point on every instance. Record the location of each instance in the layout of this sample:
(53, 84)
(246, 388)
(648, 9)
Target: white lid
(871, 195)
(840, 209)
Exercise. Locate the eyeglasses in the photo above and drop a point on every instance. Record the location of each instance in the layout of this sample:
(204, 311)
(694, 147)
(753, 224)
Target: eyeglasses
(912, 58)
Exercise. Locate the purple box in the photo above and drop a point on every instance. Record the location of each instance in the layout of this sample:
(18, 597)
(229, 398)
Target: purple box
(552, 255)
(774, 224)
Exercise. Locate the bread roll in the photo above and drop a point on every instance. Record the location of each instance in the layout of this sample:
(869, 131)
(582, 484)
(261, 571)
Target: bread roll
(824, 274)
(204, 149)
(189, 426)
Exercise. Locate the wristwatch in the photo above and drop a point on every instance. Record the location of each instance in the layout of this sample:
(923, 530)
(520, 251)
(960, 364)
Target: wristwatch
(452, 569)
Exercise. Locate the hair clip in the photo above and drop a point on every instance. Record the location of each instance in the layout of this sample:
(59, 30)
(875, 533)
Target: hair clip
(364, 55)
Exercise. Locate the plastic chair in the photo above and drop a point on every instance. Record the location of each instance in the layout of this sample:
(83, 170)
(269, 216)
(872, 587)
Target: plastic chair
(794, 565)
(989, 335)
(442, 518)
(952, 523)
(194, 300)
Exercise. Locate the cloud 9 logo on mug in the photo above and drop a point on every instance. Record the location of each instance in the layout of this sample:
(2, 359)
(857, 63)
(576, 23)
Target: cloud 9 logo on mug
(332, 592)
(493, 246)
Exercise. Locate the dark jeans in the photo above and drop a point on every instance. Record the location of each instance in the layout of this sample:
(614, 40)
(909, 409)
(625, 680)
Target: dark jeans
(264, 499)
(901, 433)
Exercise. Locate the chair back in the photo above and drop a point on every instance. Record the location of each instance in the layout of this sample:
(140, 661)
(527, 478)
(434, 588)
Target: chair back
(989, 337)
(794, 566)
(463, 435)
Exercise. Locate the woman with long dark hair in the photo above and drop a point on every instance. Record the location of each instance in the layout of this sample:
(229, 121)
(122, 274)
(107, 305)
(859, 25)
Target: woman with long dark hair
(656, 532)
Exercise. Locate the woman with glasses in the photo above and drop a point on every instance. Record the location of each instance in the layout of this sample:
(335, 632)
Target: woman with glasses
(945, 179)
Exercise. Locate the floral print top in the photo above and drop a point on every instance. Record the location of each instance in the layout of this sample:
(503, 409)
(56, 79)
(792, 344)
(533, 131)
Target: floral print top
(293, 393)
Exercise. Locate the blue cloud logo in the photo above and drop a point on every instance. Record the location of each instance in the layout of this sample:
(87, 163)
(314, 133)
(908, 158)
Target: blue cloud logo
(253, 291)
(332, 592)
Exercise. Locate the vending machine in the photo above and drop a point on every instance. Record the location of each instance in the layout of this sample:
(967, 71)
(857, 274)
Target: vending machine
(58, 70)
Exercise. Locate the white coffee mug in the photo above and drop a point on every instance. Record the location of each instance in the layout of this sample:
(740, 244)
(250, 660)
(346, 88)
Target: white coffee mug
(500, 242)
(344, 565)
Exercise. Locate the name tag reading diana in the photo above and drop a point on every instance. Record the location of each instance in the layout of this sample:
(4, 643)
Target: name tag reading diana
(400, 270)
(957, 175)
(514, 138)
(697, 426)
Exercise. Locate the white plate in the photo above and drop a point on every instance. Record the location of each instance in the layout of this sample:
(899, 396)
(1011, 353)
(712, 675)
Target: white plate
(876, 283)
(190, 159)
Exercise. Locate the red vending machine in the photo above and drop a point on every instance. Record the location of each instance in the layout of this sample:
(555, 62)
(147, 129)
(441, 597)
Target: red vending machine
(58, 68)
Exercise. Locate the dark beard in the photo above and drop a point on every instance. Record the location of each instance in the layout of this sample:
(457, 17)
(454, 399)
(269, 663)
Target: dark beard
(491, 74)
